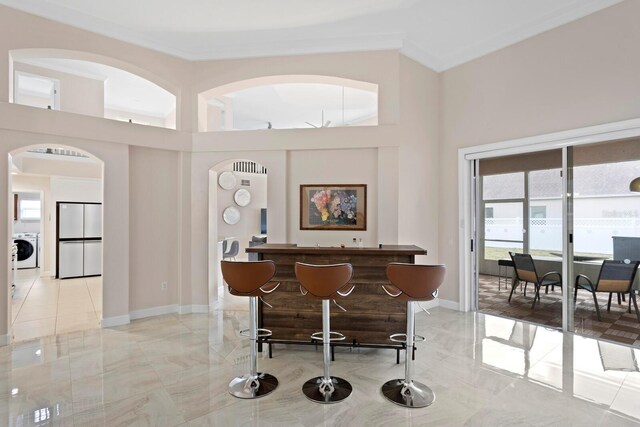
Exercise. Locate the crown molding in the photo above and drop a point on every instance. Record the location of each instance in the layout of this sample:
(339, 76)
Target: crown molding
(371, 42)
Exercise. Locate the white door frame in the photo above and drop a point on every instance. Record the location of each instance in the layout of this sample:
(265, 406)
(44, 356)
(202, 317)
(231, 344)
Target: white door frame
(557, 140)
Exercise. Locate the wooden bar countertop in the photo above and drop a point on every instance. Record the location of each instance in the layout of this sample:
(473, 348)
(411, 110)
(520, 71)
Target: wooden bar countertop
(292, 248)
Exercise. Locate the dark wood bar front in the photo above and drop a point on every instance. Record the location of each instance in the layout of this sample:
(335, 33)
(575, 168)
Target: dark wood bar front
(371, 315)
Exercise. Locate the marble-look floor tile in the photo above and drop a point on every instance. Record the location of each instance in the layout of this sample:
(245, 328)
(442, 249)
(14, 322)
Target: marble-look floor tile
(146, 409)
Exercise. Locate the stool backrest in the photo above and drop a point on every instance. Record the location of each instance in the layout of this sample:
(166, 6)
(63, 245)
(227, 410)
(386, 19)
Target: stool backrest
(323, 281)
(247, 277)
(418, 282)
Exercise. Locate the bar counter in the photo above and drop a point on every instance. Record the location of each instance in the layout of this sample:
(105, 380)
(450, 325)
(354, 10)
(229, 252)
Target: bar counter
(371, 315)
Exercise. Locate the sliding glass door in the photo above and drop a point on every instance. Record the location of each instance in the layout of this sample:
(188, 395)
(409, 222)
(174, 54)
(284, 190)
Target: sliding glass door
(573, 216)
(520, 212)
(606, 240)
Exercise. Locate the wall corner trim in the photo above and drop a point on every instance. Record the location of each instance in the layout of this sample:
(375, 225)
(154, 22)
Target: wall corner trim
(115, 321)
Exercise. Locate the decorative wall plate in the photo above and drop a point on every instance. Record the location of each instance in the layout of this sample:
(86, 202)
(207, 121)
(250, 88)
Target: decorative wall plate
(227, 180)
(242, 197)
(231, 215)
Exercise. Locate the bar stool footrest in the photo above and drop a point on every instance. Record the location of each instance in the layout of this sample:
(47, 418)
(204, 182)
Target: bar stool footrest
(396, 338)
(261, 333)
(337, 336)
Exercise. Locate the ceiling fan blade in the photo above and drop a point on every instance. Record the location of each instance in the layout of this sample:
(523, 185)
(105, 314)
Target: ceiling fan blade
(312, 125)
(327, 123)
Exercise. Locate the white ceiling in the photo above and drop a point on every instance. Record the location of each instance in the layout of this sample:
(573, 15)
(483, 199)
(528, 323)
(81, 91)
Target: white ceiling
(439, 33)
(123, 91)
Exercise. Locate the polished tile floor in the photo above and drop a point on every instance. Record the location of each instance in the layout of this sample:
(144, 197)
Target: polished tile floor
(617, 325)
(42, 306)
(174, 370)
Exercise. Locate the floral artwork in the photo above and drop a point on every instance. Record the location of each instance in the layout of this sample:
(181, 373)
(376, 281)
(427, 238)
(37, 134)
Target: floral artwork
(333, 207)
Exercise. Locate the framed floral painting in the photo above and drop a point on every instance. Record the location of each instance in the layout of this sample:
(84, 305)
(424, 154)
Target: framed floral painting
(333, 207)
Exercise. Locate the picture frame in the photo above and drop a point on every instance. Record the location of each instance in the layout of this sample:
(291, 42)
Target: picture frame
(333, 207)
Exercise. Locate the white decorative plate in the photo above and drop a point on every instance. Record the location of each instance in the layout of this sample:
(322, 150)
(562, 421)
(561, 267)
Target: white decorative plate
(242, 197)
(227, 180)
(231, 215)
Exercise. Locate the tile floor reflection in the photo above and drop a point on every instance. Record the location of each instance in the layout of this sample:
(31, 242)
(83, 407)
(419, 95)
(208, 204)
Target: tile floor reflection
(173, 370)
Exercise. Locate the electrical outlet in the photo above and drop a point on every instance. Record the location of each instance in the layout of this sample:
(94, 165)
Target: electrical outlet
(164, 286)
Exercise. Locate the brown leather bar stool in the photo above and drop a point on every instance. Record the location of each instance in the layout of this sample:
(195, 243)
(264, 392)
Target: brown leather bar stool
(411, 283)
(325, 282)
(251, 279)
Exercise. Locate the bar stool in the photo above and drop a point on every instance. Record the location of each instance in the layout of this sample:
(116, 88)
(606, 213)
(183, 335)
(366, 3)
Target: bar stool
(325, 282)
(411, 283)
(251, 279)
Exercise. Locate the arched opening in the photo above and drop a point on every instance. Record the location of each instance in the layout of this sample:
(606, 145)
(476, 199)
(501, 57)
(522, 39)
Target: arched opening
(56, 224)
(288, 102)
(90, 85)
(237, 219)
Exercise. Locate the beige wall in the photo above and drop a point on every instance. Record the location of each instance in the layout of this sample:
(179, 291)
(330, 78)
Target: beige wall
(581, 74)
(153, 234)
(79, 95)
(333, 167)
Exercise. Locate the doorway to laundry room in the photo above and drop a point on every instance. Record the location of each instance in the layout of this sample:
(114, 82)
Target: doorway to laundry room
(57, 241)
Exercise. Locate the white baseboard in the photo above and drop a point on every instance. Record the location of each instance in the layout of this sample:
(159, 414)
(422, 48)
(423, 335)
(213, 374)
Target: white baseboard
(5, 340)
(430, 304)
(153, 311)
(194, 308)
(115, 321)
(451, 305)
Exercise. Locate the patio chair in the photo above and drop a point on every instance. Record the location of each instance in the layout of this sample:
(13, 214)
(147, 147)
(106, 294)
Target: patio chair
(615, 277)
(525, 271)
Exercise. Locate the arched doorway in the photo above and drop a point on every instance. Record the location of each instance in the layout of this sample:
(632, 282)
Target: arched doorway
(237, 217)
(60, 289)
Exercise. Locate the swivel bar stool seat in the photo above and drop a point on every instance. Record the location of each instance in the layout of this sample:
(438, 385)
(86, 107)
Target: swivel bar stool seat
(325, 282)
(251, 279)
(411, 283)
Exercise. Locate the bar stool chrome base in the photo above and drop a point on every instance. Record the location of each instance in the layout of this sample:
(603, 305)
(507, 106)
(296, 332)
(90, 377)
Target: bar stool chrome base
(412, 395)
(245, 387)
(341, 390)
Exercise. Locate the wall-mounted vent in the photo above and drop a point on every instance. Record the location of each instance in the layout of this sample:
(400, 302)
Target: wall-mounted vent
(249, 167)
(58, 152)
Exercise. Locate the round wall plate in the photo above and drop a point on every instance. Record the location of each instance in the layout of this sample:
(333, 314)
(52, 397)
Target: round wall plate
(231, 215)
(227, 180)
(242, 197)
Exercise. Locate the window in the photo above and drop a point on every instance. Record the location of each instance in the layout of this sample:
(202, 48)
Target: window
(538, 212)
(29, 210)
(488, 213)
(289, 102)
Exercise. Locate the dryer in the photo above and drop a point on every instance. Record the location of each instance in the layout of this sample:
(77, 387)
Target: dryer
(27, 244)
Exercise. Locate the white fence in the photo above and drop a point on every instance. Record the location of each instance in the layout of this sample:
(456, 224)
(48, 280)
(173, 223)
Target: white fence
(590, 235)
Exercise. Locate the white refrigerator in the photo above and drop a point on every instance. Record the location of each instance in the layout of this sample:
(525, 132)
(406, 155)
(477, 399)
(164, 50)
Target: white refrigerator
(79, 239)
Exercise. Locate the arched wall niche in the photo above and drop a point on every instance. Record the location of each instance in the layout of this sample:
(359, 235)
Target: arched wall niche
(151, 79)
(288, 101)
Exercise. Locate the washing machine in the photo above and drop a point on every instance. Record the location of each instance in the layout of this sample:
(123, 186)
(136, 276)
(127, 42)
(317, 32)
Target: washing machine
(27, 244)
